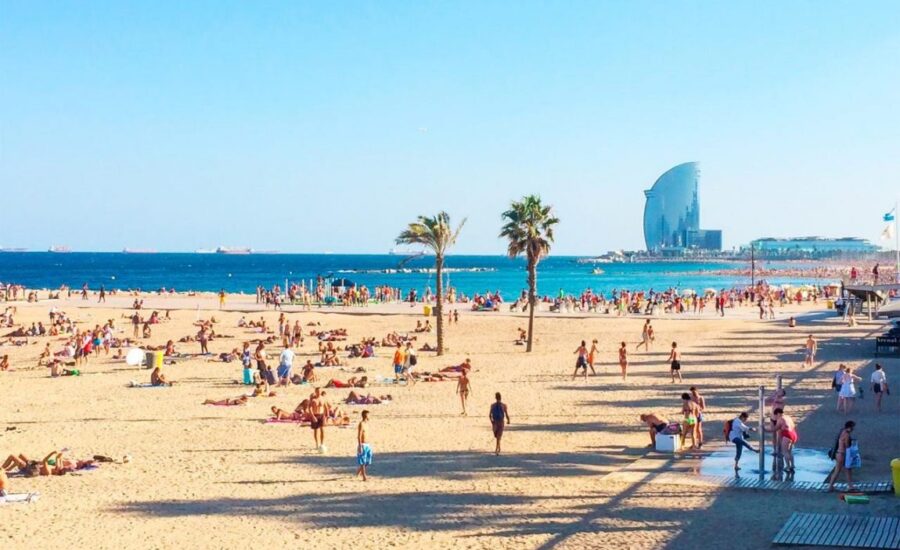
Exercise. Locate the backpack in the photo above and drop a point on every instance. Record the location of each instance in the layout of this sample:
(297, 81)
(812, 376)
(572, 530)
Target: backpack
(727, 429)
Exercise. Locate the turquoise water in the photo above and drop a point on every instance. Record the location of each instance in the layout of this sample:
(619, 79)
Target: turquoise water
(469, 274)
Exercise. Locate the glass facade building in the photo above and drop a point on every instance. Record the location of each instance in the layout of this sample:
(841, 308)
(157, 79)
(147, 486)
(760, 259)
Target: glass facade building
(672, 213)
(813, 247)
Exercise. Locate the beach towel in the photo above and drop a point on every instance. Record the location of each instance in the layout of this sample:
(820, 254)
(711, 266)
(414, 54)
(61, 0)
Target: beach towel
(19, 498)
(383, 402)
(144, 385)
(285, 421)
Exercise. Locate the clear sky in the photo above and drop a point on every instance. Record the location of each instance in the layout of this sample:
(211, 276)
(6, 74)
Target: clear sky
(326, 126)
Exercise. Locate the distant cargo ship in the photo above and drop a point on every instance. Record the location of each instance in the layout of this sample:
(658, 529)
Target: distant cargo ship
(233, 250)
(204, 251)
(59, 249)
(138, 251)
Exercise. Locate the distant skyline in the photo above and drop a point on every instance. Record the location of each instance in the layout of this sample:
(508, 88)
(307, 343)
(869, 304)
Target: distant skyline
(313, 127)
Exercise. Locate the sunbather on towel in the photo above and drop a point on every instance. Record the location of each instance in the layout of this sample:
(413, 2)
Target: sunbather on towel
(53, 464)
(356, 399)
(157, 378)
(229, 402)
(353, 382)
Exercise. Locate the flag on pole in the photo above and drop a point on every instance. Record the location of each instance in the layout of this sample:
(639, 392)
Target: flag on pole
(889, 217)
(888, 232)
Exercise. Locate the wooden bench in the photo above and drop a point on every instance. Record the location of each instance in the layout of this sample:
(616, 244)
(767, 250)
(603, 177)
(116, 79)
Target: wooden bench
(887, 342)
(840, 530)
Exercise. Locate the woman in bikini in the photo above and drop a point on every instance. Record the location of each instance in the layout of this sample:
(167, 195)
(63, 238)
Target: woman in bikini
(623, 361)
(592, 355)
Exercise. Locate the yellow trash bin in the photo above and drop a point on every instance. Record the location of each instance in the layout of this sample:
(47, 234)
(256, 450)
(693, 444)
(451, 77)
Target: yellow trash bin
(895, 473)
(830, 304)
(426, 310)
(158, 359)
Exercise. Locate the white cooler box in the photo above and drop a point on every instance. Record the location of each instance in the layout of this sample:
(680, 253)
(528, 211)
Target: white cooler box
(668, 443)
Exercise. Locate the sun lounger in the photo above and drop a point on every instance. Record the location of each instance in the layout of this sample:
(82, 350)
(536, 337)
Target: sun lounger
(19, 498)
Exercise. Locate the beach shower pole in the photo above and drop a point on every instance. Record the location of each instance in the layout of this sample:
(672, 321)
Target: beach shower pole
(762, 431)
(778, 382)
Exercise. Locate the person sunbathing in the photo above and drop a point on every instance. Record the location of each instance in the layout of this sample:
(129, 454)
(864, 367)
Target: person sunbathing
(357, 399)
(353, 382)
(427, 347)
(296, 416)
(465, 366)
(53, 464)
(229, 402)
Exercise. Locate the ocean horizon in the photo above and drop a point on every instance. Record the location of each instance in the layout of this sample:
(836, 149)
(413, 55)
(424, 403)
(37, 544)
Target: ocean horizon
(469, 274)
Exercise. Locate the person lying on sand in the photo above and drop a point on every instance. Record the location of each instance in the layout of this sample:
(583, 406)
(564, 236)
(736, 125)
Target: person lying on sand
(465, 366)
(353, 382)
(53, 464)
(229, 402)
(357, 399)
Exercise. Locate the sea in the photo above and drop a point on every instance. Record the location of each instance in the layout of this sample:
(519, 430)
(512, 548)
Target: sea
(468, 274)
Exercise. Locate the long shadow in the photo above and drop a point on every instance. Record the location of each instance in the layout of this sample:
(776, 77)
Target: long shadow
(464, 465)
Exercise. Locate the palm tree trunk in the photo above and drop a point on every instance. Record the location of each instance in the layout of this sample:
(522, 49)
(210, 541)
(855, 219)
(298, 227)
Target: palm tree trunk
(532, 300)
(439, 305)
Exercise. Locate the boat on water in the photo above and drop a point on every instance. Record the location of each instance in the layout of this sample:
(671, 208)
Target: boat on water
(597, 271)
(138, 251)
(59, 249)
(204, 251)
(233, 250)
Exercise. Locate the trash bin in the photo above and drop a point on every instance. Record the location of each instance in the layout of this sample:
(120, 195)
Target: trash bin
(426, 309)
(158, 359)
(149, 358)
(895, 473)
(830, 304)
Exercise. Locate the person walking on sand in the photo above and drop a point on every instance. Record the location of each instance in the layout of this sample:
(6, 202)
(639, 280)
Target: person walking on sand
(463, 388)
(102, 297)
(363, 448)
(879, 385)
(623, 361)
(811, 348)
(675, 362)
(398, 361)
(498, 414)
(221, 298)
(581, 362)
(736, 436)
(645, 336)
(848, 391)
(318, 408)
(592, 355)
(846, 456)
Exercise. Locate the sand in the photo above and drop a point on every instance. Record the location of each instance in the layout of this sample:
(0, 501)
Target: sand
(213, 477)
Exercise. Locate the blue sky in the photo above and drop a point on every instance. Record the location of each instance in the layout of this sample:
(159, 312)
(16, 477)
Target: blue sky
(314, 126)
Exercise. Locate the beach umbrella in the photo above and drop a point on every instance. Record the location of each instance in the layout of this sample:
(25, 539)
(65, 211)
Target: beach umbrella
(710, 291)
(134, 357)
(687, 292)
(346, 283)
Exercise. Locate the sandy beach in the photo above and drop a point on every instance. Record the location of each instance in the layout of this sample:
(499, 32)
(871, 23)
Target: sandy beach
(211, 477)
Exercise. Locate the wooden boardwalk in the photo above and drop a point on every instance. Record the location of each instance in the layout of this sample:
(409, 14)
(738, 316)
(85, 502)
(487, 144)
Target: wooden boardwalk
(840, 530)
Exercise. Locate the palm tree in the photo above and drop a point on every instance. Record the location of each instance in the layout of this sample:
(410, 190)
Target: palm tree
(436, 234)
(529, 228)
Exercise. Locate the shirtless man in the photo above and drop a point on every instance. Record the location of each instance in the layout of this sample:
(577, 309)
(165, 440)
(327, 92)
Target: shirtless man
(318, 408)
(811, 347)
(463, 388)
(581, 362)
(675, 362)
(786, 433)
(656, 424)
(697, 398)
(363, 449)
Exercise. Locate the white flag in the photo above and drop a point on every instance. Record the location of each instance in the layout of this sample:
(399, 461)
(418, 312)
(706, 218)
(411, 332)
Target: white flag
(888, 232)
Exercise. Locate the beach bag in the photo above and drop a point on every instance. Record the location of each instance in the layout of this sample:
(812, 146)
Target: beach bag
(852, 459)
(726, 430)
(672, 429)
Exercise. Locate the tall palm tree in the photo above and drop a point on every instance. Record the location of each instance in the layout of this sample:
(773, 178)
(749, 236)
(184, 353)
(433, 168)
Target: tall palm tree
(434, 233)
(529, 229)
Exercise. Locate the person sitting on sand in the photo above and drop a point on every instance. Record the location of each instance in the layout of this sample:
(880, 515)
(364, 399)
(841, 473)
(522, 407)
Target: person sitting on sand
(157, 378)
(656, 424)
(4, 362)
(523, 337)
(228, 402)
(56, 369)
(357, 399)
(298, 415)
(170, 349)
